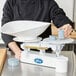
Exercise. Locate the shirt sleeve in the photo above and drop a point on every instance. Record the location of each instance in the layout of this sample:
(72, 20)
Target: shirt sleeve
(7, 17)
(57, 15)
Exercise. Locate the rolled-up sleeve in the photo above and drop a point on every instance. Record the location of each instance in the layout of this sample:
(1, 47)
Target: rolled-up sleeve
(58, 15)
(7, 17)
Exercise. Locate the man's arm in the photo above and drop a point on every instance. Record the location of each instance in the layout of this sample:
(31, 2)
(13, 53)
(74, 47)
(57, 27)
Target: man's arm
(14, 47)
(59, 18)
(7, 17)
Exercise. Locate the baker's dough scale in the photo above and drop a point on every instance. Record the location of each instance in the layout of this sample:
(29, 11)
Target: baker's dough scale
(27, 32)
(43, 58)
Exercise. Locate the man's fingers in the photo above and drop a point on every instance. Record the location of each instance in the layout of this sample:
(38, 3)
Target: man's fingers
(18, 56)
(67, 29)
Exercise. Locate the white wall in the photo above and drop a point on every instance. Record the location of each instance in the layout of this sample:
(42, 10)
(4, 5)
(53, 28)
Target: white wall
(75, 14)
(67, 5)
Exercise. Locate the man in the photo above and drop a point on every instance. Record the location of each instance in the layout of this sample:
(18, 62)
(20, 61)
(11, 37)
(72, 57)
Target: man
(37, 10)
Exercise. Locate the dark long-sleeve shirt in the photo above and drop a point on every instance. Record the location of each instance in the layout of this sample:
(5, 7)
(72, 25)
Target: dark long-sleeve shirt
(37, 10)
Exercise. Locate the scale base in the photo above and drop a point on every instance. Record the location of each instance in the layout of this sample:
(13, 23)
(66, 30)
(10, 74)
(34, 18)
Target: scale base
(44, 59)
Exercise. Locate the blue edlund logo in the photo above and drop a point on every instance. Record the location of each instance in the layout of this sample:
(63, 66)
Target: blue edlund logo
(38, 60)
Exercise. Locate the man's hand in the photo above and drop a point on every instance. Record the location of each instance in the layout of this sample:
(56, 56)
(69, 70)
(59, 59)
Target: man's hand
(14, 47)
(67, 29)
(18, 55)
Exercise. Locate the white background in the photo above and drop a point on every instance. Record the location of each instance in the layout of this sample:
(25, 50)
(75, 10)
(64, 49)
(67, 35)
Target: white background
(67, 5)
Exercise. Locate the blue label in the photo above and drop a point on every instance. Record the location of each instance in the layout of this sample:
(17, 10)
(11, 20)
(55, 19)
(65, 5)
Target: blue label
(38, 60)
